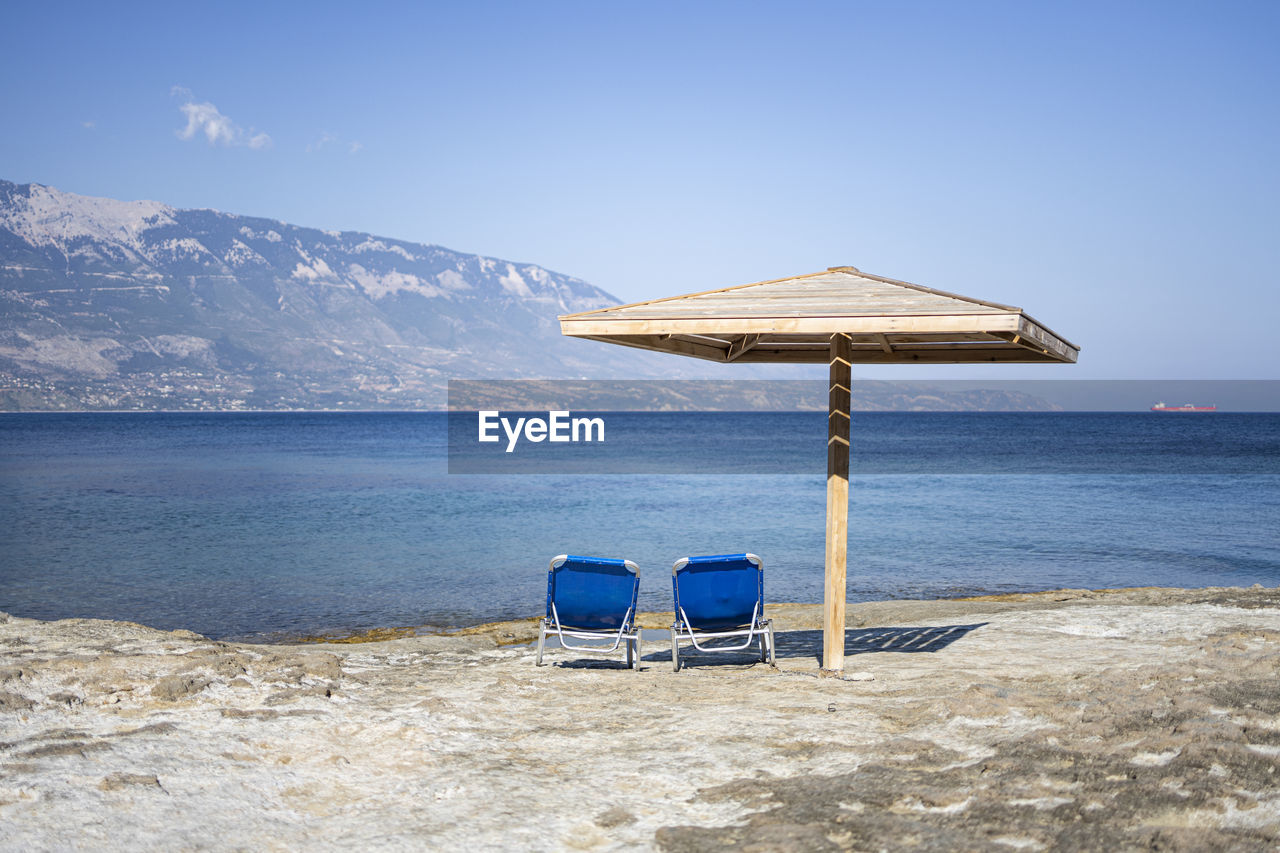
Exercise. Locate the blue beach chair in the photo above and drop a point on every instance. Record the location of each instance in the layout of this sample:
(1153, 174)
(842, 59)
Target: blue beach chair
(720, 596)
(592, 599)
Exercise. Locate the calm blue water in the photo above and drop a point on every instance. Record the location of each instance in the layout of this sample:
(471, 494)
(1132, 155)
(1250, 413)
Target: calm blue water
(271, 525)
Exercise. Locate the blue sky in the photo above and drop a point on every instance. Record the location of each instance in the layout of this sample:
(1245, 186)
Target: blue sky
(1111, 167)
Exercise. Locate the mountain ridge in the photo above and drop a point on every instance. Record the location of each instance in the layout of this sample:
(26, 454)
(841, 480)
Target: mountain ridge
(141, 305)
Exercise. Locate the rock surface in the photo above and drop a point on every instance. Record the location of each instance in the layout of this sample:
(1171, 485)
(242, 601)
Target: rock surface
(1118, 720)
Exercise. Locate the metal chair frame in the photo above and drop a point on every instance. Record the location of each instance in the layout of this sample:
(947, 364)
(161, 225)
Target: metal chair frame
(626, 631)
(757, 627)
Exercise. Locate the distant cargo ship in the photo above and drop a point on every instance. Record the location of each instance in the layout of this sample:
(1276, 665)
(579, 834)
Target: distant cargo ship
(1185, 407)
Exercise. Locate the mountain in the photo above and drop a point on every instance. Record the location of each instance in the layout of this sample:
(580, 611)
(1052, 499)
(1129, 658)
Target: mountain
(108, 304)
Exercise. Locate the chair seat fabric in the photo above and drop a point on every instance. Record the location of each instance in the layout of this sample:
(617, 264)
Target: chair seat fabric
(719, 592)
(720, 596)
(592, 599)
(591, 594)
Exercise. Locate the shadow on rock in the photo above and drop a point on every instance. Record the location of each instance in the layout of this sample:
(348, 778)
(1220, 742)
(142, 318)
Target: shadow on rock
(799, 644)
(791, 644)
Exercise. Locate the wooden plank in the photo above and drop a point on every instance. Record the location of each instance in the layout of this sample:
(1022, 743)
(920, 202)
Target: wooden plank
(653, 342)
(948, 338)
(1038, 342)
(838, 431)
(908, 284)
(831, 278)
(805, 356)
(818, 285)
(720, 342)
(843, 302)
(819, 308)
(753, 313)
(1050, 332)
(884, 344)
(816, 325)
(687, 295)
(942, 355)
(1045, 339)
(927, 348)
(741, 345)
(859, 354)
(894, 340)
(817, 290)
(813, 296)
(830, 284)
(816, 355)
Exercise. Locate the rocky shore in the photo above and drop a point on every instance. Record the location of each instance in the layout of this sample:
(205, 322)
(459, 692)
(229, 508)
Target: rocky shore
(1074, 720)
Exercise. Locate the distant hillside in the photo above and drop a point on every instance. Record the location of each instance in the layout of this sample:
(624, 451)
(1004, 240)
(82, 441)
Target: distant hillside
(743, 395)
(108, 304)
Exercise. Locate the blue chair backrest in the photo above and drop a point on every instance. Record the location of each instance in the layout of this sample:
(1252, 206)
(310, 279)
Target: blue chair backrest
(592, 593)
(719, 592)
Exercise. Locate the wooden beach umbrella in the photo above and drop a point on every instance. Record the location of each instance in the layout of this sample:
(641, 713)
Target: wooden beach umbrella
(841, 317)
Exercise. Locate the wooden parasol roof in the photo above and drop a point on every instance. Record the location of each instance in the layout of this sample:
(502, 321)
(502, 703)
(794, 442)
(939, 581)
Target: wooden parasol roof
(793, 319)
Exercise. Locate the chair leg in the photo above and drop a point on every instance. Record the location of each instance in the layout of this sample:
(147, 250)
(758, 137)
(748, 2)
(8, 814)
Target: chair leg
(638, 632)
(773, 659)
(630, 653)
(675, 651)
(542, 639)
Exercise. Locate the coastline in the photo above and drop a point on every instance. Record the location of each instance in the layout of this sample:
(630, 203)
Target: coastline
(796, 614)
(1071, 719)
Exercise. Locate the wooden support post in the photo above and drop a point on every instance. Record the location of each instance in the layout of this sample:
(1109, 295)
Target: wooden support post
(838, 402)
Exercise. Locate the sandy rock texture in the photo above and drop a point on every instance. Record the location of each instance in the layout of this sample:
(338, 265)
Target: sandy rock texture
(1116, 720)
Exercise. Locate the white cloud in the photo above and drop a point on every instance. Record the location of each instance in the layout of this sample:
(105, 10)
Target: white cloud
(328, 140)
(88, 125)
(204, 118)
(320, 144)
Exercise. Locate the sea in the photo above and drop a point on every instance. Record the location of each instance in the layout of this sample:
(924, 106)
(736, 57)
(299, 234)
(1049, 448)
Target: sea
(272, 526)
